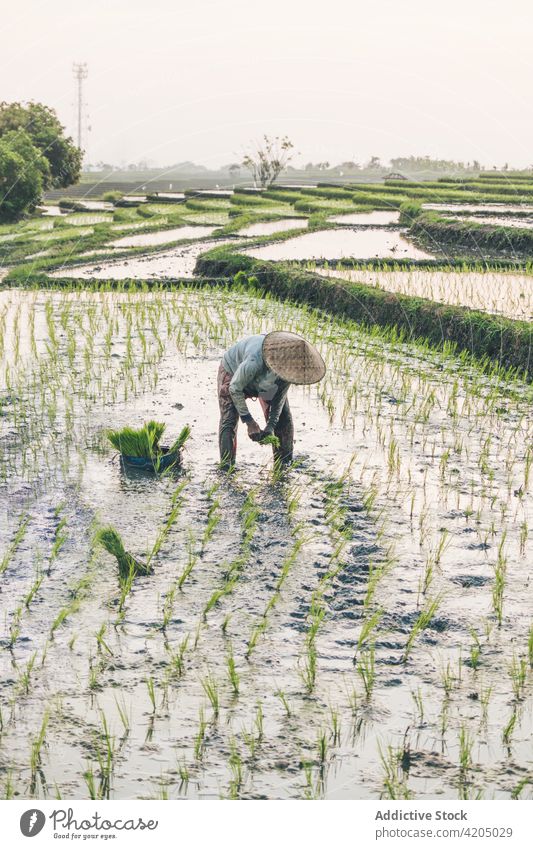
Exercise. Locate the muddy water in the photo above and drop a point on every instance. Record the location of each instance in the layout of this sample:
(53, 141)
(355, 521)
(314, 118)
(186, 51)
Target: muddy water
(335, 244)
(266, 228)
(162, 236)
(499, 293)
(377, 217)
(447, 451)
(177, 262)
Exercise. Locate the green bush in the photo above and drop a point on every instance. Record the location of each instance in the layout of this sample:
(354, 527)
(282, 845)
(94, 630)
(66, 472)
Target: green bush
(22, 170)
(112, 196)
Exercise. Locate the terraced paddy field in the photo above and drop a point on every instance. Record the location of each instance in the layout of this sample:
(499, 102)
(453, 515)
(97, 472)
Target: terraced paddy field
(359, 625)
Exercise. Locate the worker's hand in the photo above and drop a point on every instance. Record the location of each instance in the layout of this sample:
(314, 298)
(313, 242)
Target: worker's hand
(257, 437)
(253, 430)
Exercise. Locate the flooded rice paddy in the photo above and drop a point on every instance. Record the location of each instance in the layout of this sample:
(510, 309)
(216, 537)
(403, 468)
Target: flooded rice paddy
(357, 627)
(267, 228)
(501, 293)
(160, 237)
(376, 217)
(339, 243)
(175, 262)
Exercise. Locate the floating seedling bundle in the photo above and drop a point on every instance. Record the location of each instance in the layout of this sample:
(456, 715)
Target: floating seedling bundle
(141, 449)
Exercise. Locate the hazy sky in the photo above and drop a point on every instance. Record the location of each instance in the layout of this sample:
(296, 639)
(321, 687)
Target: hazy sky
(171, 80)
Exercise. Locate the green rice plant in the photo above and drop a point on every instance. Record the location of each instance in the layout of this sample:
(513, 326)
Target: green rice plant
(177, 504)
(507, 732)
(233, 675)
(34, 589)
(424, 619)
(210, 688)
(498, 586)
(184, 774)
(14, 544)
(466, 744)
(192, 558)
(100, 641)
(284, 701)
(368, 627)
(124, 715)
(485, 694)
(418, 699)
(127, 564)
(150, 686)
(518, 675)
(366, 669)
(322, 747)
(14, 627)
(178, 443)
(177, 659)
(519, 786)
(335, 726)
(143, 442)
(530, 646)
(394, 777)
(38, 742)
(270, 439)
(24, 679)
(235, 765)
(213, 516)
(9, 786)
(475, 650)
(258, 721)
(199, 740)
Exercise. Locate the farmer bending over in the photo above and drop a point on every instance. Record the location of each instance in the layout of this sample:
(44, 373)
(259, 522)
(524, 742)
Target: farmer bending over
(263, 367)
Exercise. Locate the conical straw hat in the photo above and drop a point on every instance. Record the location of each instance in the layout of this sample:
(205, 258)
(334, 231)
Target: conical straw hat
(292, 357)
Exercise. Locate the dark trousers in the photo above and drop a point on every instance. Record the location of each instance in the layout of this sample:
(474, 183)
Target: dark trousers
(229, 420)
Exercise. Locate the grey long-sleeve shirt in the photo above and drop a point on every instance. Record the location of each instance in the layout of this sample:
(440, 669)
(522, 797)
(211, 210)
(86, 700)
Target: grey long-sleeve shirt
(252, 377)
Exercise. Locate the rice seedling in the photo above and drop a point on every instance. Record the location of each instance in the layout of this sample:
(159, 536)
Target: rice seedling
(19, 535)
(394, 777)
(366, 669)
(466, 744)
(177, 658)
(124, 715)
(24, 679)
(235, 765)
(422, 622)
(418, 700)
(258, 721)
(210, 688)
(233, 675)
(509, 728)
(498, 586)
(335, 726)
(284, 701)
(34, 589)
(192, 558)
(519, 786)
(150, 686)
(37, 745)
(199, 740)
(128, 566)
(518, 675)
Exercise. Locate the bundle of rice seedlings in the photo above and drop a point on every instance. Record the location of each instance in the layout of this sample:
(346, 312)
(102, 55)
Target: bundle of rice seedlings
(128, 565)
(138, 443)
(270, 439)
(145, 441)
(181, 440)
